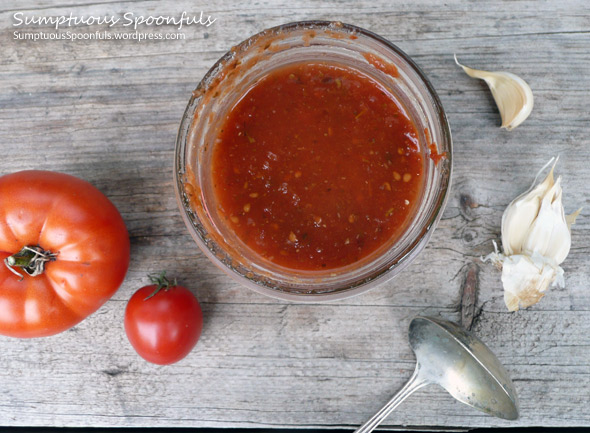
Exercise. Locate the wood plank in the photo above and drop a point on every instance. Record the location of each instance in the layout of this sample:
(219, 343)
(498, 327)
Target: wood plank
(108, 112)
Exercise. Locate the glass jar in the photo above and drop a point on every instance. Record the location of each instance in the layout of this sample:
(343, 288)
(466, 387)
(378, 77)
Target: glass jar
(231, 77)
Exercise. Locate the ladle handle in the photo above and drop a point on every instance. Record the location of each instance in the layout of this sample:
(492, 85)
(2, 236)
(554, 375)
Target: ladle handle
(411, 385)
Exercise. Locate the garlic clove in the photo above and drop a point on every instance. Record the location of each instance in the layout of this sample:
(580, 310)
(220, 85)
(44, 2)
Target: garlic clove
(522, 211)
(549, 235)
(512, 94)
(526, 279)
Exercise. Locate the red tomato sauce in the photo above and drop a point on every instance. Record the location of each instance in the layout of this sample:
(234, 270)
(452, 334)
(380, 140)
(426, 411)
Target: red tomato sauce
(317, 166)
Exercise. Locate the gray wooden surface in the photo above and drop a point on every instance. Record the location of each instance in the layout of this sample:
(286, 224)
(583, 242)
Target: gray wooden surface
(108, 111)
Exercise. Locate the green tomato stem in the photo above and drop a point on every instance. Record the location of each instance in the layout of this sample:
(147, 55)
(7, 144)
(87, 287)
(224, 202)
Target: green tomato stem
(161, 282)
(31, 259)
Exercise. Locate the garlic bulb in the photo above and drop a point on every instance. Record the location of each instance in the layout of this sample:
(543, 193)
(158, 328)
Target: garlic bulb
(512, 94)
(536, 239)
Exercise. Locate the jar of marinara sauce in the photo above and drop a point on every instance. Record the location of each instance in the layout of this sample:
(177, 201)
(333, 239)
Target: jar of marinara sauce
(313, 161)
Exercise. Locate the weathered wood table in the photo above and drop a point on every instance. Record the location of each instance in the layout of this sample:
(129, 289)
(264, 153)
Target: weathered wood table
(108, 111)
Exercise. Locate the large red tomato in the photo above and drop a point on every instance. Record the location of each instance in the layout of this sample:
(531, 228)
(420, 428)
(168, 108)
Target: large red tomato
(64, 251)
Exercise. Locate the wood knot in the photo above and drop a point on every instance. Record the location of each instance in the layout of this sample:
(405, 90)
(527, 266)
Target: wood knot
(469, 235)
(467, 204)
(114, 372)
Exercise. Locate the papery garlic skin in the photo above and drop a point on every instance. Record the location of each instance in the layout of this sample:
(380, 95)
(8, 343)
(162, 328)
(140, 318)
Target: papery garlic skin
(526, 279)
(536, 239)
(512, 94)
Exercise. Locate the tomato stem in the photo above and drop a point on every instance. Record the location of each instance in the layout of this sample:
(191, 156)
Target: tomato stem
(162, 282)
(31, 259)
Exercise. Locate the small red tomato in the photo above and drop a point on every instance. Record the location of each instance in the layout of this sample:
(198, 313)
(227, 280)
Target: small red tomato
(163, 321)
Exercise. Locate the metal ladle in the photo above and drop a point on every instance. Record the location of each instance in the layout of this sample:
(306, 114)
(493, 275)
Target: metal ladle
(451, 357)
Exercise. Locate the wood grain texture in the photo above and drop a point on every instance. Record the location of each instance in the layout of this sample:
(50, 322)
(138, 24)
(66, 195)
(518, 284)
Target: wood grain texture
(108, 111)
